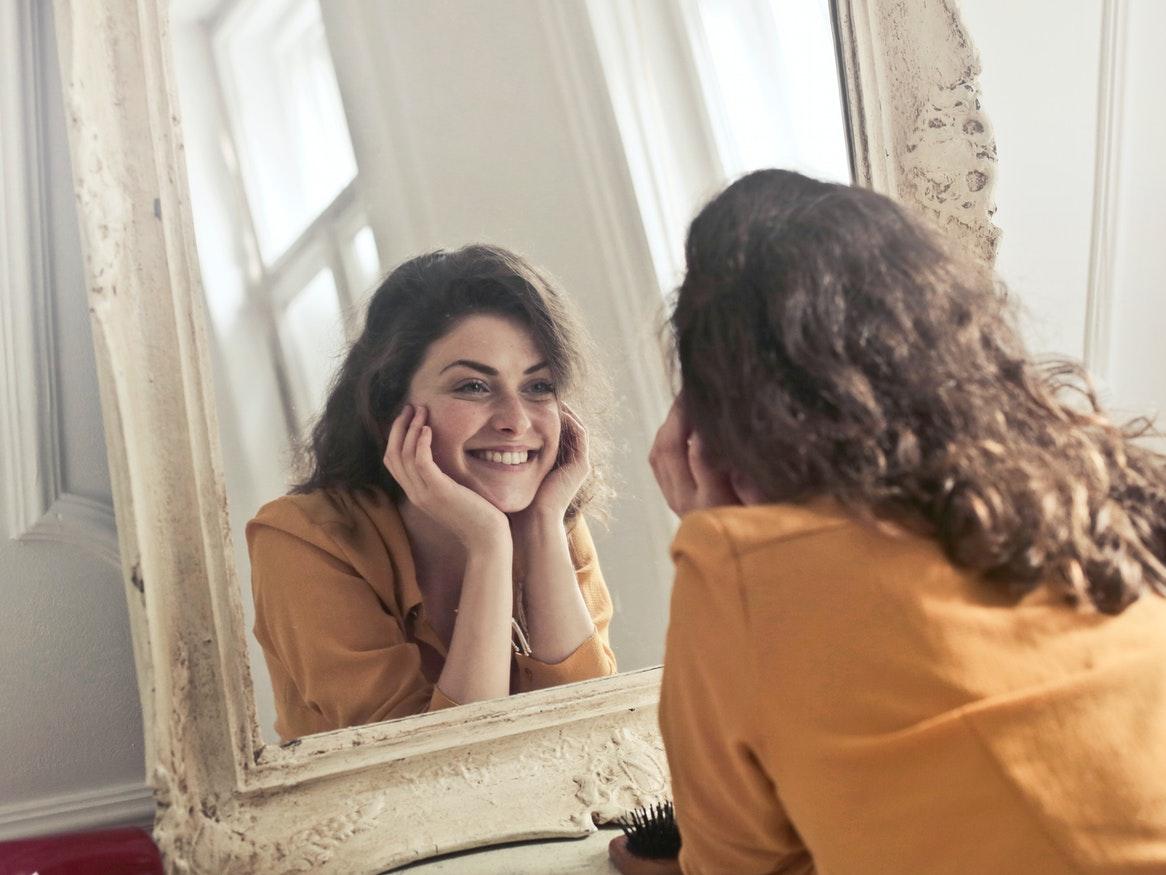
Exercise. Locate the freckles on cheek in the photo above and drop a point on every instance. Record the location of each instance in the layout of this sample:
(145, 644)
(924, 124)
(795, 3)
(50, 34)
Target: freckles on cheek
(450, 431)
(554, 435)
(448, 458)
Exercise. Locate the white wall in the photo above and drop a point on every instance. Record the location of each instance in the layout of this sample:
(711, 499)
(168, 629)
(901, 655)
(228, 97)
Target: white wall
(70, 724)
(1040, 91)
(1082, 180)
(1134, 367)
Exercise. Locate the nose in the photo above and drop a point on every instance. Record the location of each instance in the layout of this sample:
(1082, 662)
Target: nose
(509, 415)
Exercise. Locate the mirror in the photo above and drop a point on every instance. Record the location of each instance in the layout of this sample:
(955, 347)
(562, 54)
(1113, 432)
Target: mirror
(326, 142)
(551, 763)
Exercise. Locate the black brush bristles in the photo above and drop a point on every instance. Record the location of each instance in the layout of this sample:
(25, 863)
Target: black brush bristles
(652, 831)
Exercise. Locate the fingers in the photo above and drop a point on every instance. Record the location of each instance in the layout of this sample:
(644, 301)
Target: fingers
(670, 464)
(747, 492)
(392, 458)
(713, 488)
(683, 484)
(572, 437)
(427, 478)
(702, 473)
(409, 444)
(425, 466)
(673, 433)
(409, 458)
(680, 462)
(402, 452)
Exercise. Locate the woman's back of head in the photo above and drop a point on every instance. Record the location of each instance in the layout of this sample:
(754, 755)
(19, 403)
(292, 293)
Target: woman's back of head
(831, 343)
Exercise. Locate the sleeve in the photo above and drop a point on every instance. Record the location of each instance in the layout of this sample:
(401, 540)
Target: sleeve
(342, 653)
(594, 657)
(727, 808)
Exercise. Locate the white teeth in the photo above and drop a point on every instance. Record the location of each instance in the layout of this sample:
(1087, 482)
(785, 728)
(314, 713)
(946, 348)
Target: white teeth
(503, 458)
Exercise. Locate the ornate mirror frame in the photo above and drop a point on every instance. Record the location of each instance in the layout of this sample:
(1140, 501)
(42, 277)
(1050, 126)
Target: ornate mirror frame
(364, 799)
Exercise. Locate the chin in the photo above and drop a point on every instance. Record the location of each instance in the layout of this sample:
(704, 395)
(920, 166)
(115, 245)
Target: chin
(509, 504)
(508, 497)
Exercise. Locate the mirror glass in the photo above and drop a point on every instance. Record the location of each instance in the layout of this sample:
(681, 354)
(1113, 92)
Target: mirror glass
(327, 141)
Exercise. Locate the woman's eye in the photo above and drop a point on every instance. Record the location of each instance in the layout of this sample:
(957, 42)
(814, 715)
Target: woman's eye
(473, 387)
(542, 387)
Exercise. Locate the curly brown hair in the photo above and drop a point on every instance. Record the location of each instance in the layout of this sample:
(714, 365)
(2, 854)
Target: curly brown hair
(831, 344)
(417, 303)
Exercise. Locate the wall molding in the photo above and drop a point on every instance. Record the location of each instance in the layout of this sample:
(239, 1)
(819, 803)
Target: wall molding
(624, 36)
(1103, 239)
(28, 431)
(36, 507)
(118, 805)
(79, 522)
(633, 294)
(636, 302)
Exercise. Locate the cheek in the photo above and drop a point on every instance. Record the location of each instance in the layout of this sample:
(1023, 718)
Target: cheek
(552, 430)
(445, 451)
(452, 426)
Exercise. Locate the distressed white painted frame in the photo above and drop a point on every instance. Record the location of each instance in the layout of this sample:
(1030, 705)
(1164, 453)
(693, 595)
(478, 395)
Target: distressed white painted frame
(364, 799)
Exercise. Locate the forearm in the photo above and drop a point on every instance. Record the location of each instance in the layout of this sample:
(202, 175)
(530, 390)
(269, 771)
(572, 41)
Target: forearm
(557, 617)
(477, 666)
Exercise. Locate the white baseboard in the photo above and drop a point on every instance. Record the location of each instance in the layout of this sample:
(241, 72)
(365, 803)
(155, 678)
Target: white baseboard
(120, 805)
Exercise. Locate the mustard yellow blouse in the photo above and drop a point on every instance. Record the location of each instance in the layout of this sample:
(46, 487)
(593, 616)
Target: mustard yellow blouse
(342, 624)
(842, 699)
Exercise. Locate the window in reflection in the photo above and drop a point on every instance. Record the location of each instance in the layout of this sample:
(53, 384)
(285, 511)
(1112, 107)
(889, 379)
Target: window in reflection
(310, 336)
(363, 259)
(305, 244)
(769, 76)
(704, 91)
(285, 113)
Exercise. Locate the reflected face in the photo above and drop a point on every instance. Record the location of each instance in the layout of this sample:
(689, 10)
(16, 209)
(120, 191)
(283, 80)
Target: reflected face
(492, 407)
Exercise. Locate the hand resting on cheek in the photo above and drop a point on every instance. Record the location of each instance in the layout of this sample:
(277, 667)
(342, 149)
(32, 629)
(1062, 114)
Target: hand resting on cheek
(559, 488)
(679, 460)
(409, 458)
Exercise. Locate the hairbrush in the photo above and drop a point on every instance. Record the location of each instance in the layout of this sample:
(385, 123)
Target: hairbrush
(650, 843)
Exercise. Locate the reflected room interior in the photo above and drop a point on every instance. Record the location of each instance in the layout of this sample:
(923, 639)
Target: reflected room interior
(329, 140)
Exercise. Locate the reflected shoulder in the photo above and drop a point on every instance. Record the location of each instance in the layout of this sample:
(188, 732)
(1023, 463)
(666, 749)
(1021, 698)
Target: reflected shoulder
(329, 510)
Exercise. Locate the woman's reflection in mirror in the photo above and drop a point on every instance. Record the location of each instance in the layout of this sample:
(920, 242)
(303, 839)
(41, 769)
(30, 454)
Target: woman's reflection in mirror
(436, 552)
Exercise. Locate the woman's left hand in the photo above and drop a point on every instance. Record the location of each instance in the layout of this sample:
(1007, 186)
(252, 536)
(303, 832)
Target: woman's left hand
(685, 477)
(563, 482)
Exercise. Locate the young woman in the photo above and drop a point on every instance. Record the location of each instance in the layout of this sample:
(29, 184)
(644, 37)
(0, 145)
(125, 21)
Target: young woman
(436, 554)
(918, 623)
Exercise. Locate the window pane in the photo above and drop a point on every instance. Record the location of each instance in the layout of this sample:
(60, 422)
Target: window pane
(771, 81)
(312, 335)
(365, 258)
(286, 115)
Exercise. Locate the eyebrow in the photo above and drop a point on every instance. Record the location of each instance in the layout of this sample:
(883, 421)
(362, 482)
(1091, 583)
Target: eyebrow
(486, 369)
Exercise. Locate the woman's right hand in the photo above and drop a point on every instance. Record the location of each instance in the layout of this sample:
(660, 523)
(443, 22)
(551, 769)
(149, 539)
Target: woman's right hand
(409, 458)
(682, 470)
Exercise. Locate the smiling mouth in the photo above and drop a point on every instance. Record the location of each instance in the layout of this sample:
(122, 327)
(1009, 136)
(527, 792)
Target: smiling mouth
(511, 458)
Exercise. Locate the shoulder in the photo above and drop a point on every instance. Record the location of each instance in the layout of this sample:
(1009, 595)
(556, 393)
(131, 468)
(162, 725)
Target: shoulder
(736, 531)
(296, 513)
(324, 518)
(740, 549)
